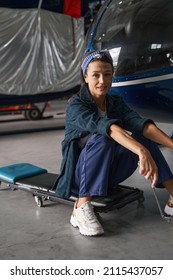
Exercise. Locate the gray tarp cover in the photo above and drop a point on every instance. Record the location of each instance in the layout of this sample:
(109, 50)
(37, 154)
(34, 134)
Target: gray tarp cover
(40, 51)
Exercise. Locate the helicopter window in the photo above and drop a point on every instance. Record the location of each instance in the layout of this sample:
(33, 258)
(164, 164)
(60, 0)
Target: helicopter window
(137, 33)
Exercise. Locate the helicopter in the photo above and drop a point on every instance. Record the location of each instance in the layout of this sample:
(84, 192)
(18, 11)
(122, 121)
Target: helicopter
(138, 35)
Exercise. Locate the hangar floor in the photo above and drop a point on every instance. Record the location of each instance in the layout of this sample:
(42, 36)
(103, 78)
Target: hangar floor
(29, 232)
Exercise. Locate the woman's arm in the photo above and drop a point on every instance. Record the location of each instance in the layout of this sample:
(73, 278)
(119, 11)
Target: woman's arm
(153, 133)
(147, 166)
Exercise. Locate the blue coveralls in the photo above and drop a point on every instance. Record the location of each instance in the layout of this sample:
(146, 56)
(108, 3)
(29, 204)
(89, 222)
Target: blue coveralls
(103, 163)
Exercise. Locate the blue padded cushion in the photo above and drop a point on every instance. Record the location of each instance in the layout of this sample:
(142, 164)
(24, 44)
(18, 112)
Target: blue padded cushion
(14, 172)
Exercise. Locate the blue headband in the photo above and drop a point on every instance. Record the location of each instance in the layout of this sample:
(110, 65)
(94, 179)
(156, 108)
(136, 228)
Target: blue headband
(93, 55)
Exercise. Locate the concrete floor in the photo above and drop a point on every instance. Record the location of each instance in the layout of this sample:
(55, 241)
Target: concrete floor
(29, 232)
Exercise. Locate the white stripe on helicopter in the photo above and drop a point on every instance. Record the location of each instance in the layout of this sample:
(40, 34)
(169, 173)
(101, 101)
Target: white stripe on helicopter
(142, 81)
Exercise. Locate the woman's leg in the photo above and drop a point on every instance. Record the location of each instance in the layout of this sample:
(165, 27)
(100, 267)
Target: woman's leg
(165, 176)
(102, 164)
(93, 166)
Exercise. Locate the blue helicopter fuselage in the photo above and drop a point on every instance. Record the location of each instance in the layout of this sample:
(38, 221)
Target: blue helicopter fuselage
(150, 94)
(139, 36)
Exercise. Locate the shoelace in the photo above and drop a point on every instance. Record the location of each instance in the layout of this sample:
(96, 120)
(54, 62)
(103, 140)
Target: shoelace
(90, 214)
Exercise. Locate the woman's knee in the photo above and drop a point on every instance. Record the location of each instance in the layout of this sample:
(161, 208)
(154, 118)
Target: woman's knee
(101, 141)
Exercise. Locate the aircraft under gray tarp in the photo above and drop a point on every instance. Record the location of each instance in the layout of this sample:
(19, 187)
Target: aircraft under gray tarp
(40, 55)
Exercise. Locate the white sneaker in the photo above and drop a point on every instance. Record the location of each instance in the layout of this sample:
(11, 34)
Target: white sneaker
(84, 218)
(169, 206)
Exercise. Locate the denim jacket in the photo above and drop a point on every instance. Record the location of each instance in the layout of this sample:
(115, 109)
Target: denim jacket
(82, 118)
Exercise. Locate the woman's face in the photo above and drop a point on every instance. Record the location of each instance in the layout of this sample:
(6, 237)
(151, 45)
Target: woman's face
(99, 78)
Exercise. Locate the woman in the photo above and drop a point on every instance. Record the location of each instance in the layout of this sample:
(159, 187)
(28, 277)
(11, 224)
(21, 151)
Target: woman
(98, 150)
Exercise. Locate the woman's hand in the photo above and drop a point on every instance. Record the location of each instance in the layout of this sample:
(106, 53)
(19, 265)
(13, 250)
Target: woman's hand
(147, 167)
